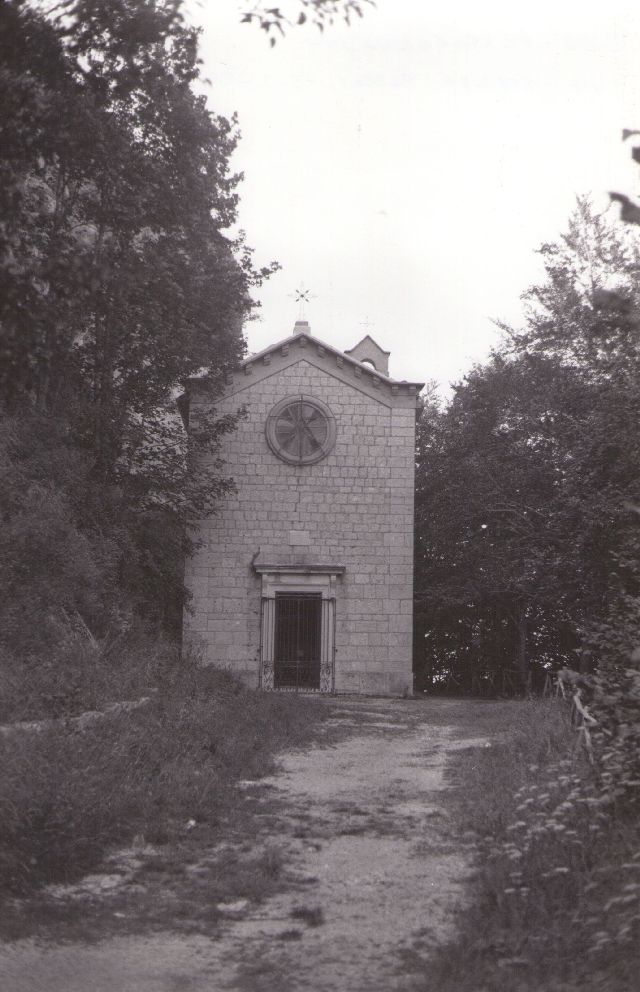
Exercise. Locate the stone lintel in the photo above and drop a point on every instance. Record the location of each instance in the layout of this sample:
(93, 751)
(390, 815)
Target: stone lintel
(312, 569)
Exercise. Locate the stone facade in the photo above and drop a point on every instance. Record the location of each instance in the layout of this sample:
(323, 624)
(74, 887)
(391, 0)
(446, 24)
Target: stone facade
(339, 530)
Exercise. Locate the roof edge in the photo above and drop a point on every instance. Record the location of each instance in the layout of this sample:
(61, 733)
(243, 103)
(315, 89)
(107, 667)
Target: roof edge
(318, 343)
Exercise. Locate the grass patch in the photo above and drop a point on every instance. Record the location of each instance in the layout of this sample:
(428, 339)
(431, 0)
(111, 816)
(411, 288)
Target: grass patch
(162, 774)
(77, 675)
(555, 899)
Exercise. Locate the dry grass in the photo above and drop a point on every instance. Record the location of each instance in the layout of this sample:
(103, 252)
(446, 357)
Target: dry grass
(555, 897)
(76, 676)
(69, 794)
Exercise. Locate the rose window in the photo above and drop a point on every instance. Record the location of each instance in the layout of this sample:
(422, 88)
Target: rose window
(301, 430)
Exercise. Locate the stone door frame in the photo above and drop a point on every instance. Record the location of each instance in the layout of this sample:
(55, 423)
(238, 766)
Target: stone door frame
(298, 579)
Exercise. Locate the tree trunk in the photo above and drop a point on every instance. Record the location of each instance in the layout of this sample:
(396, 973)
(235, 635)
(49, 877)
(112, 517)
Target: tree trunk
(523, 660)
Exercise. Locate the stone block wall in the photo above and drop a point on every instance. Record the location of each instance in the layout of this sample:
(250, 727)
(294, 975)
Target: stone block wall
(353, 508)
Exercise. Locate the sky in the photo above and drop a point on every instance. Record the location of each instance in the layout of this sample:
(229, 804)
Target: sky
(406, 168)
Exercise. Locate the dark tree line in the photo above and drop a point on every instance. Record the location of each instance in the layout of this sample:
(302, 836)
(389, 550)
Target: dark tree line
(117, 282)
(526, 552)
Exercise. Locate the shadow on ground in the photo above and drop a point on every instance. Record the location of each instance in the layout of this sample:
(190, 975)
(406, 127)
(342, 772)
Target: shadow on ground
(347, 861)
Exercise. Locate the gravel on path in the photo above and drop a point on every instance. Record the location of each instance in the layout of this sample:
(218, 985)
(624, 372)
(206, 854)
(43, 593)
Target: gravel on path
(375, 869)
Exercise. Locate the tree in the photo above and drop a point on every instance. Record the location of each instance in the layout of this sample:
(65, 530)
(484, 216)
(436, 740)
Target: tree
(586, 311)
(490, 546)
(117, 279)
(121, 193)
(523, 483)
(275, 21)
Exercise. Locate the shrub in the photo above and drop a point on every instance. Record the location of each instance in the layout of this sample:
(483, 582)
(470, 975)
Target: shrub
(556, 898)
(78, 674)
(616, 736)
(55, 563)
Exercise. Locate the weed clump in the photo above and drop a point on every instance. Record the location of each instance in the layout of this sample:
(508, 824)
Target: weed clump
(68, 793)
(556, 897)
(78, 674)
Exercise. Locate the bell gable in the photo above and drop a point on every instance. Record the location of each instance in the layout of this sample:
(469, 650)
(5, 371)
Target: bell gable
(303, 347)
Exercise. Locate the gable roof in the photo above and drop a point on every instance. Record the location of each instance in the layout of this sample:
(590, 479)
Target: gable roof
(303, 346)
(340, 360)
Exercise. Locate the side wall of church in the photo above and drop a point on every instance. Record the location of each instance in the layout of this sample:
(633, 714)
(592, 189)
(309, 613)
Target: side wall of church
(354, 508)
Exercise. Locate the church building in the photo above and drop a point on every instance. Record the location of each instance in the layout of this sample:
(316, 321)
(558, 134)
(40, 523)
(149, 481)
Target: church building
(304, 577)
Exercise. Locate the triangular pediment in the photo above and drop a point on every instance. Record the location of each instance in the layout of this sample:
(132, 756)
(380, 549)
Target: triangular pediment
(302, 346)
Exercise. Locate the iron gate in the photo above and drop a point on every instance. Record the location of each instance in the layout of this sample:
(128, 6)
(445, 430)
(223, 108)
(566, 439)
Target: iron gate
(297, 642)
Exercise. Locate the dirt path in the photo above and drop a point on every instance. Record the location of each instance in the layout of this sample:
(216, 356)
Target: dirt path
(371, 865)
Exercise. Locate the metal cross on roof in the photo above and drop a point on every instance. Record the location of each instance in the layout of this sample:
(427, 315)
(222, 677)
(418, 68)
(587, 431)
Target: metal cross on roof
(302, 295)
(367, 323)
